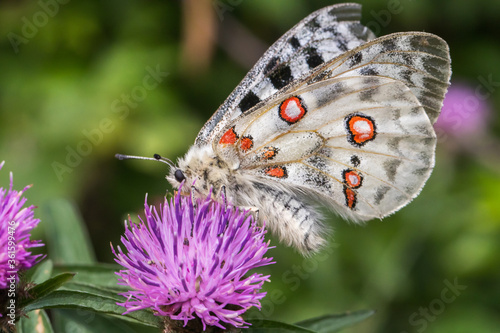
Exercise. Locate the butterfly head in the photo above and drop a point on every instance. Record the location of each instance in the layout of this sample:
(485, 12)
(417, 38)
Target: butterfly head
(186, 171)
(177, 176)
(200, 168)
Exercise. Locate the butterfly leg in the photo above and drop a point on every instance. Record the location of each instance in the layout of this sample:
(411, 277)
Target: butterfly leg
(224, 195)
(252, 210)
(193, 200)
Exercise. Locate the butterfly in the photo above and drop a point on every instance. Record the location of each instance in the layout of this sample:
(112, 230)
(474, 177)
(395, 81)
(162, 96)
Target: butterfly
(329, 116)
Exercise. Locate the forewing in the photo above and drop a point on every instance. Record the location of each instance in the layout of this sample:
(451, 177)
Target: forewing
(320, 37)
(363, 144)
(420, 60)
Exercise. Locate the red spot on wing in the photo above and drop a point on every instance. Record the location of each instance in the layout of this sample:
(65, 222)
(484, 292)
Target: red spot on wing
(276, 171)
(229, 137)
(246, 143)
(292, 110)
(352, 178)
(350, 197)
(361, 129)
(269, 153)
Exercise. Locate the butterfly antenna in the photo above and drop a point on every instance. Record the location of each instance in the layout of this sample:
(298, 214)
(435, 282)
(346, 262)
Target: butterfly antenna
(156, 157)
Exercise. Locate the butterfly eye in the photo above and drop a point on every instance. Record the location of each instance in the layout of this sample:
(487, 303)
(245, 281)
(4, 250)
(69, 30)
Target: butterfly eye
(179, 175)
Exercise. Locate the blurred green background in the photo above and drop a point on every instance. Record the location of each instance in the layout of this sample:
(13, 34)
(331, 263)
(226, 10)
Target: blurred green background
(75, 90)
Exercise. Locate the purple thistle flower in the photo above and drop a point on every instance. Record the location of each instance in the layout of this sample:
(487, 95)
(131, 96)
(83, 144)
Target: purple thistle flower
(16, 224)
(190, 261)
(465, 112)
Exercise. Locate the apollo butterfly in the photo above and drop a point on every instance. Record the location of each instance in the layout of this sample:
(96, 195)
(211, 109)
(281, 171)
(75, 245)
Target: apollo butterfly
(329, 114)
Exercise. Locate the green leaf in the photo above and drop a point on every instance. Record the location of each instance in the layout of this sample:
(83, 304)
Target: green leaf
(335, 322)
(269, 326)
(45, 288)
(101, 275)
(90, 302)
(42, 271)
(68, 240)
(71, 320)
(35, 321)
(93, 290)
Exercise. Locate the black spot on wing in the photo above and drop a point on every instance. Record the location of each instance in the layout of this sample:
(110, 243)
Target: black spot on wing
(271, 64)
(333, 93)
(389, 45)
(332, 30)
(318, 180)
(405, 75)
(313, 24)
(294, 42)
(355, 161)
(281, 76)
(371, 81)
(407, 59)
(424, 130)
(313, 58)
(367, 95)
(416, 111)
(368, 71)
(393, 144)
(355, 59)
(248, 101)
(317, 162)
(326, 152)
(342, 46)
(425, 157)
(380, 193)
(391, 167)
(421, 171)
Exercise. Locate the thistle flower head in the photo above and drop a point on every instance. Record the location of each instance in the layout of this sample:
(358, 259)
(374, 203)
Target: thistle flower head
(16, 223)
(465, 112)
(191, 261)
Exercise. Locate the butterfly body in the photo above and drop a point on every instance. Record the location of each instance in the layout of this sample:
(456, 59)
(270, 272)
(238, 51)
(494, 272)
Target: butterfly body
(283, 208)
(328, 116)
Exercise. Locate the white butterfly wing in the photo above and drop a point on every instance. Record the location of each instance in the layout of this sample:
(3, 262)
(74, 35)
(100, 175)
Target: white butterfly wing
(318, 38)
(420, 60)
(357, 133)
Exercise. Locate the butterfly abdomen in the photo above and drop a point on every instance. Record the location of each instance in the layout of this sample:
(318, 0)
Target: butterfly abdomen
(284, 211)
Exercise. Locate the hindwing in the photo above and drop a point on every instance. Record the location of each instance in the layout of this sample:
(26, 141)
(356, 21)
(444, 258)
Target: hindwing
(357, 132)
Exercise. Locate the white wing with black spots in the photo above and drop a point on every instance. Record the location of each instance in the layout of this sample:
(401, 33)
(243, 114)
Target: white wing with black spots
(320, 37)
